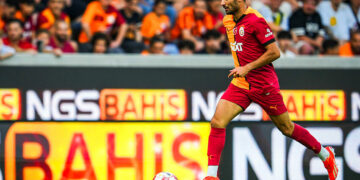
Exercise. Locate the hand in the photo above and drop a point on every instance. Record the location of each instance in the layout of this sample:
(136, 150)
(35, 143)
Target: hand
(114, 44)
(57, 52)
(240, 71)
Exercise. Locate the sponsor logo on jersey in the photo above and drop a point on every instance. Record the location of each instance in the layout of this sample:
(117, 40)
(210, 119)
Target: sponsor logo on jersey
(235, 46)
(269, 33)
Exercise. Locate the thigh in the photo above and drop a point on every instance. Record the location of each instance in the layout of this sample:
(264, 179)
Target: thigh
(225, 112)
(270, 99)
(283, 122)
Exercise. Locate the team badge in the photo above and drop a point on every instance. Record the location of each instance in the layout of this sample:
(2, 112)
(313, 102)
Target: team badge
(235, 30)
(241, 31)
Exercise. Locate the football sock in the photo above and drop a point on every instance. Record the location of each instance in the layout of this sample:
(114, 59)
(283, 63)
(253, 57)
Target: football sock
(215, 147)
(323, 154)
(303, 136)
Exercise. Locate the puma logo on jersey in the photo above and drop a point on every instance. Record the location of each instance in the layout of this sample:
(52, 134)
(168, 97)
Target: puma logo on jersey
(269, 33)
(235, 46)
(274, 107)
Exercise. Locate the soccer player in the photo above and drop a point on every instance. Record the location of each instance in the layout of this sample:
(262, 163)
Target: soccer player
(253, 48)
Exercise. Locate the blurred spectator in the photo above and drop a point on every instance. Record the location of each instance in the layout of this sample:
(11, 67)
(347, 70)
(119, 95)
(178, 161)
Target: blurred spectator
(214, 7)
(101, 16)
(156, 22)
(61, 39)
(212, 43)
(75, 9)
(351, 48)
(5, 51)
(330, 47)
(192, 23)
(307, 26)
(119, 4)
(337, 17)
(133, 38)
(157, 45)
(14, 37)
(186, 47)
(26, 14)
(51, 14)
(280, 21)
(285, 43)
(42, 39)
(100, 43)
(9, 10)
(355, 7)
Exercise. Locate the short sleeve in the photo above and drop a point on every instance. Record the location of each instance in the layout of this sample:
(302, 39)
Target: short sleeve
(119, 19)
(186, 20)
(263, 32)
(88, 14)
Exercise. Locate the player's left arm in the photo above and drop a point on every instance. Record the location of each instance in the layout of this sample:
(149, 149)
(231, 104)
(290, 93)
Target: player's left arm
(271, 54)
(265, 36)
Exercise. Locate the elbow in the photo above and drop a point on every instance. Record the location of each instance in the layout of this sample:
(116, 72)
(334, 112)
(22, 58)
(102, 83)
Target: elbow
(275, 54)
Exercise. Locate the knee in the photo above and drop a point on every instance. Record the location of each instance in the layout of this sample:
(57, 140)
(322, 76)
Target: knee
(217, 123)
(287, 130)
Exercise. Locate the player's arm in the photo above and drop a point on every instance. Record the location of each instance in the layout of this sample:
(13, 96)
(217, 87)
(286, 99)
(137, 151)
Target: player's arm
(271, 54)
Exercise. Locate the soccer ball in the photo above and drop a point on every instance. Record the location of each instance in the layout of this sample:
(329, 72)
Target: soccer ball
(165, 176)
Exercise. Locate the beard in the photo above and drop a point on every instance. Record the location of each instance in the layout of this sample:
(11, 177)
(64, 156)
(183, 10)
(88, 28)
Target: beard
(232, 8)
(61, 38)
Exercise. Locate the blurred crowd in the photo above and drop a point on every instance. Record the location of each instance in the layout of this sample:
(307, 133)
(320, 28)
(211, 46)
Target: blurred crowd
(306, 27)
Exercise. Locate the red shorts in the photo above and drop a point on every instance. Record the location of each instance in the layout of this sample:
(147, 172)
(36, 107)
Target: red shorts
(269, 98)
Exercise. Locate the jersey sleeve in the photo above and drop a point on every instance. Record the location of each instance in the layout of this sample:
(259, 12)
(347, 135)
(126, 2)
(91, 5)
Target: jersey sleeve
(88, 14)
(263, 32)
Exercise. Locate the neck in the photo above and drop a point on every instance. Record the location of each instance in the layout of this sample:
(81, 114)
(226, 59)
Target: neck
(355, 9)
(239, 13)
(335, 6)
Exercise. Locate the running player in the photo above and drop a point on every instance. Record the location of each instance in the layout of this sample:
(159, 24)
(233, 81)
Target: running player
(253, 48)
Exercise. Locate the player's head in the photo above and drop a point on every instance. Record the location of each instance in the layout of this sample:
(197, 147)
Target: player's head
(61, 30)
(157, 45)
(160, 7)
(309, 6)
(284, 40)
(355, 42)
(56, 6)
(186, 47)
(100, 43)
(200, 8)
(232, 6)
(27, 7)
(330, 47)
(336, 2)
(275, 5)
(105, 3)
(14, 29)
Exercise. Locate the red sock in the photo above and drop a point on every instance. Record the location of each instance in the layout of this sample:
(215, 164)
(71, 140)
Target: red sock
(216, 145)
(303, 136)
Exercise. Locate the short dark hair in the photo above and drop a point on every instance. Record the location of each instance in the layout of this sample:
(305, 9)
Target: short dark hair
(157, 2)
(186, 44)
(40, 31)
(12, 21)
(212, 34)
(329, 44)
(27, 2)
(156, 39)
(11, 3)
(100, 36)
(284, 35)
